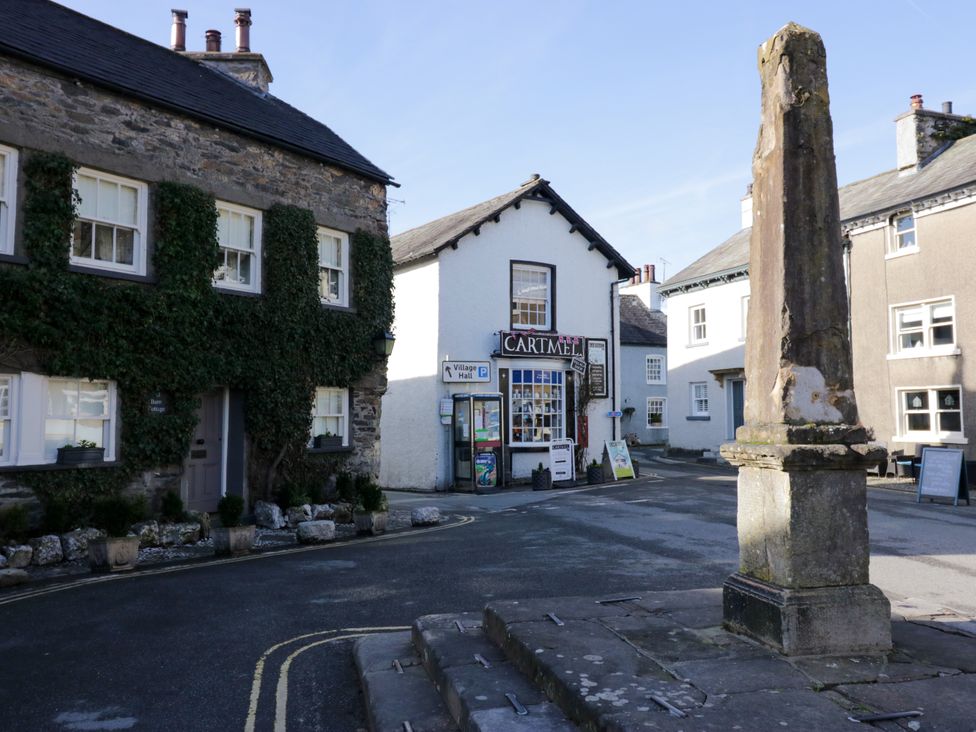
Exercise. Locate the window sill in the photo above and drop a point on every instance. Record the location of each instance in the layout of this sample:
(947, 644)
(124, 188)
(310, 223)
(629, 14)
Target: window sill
(925, 353)
(328, 450)
(109, 273)
(705, 418)
(532, 329)
(13, 258)
(901, 253)
(236, 292)
(43, 467)
(928, 438)
(697, 344)
(657, 383)
(346, 308)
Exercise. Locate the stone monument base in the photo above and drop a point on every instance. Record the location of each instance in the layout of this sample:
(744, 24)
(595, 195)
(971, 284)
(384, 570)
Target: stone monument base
(849, 619)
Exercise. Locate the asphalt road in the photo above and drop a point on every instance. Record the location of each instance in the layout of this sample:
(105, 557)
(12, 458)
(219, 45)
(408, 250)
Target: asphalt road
(264, 643)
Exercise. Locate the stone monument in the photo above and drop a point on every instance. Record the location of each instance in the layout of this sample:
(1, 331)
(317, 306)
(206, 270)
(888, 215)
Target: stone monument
(802, 585)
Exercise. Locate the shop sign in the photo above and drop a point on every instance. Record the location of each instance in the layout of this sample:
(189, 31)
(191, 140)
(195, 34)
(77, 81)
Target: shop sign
(579, 365)
(597, 358)
(541, 345)
(159, 403)
(465, 371)
(619, 455)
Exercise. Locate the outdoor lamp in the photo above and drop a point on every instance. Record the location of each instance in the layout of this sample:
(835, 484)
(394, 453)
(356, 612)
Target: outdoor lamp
(383, 343)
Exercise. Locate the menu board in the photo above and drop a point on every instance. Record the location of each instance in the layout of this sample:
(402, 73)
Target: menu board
(597, 367)
(943, 475)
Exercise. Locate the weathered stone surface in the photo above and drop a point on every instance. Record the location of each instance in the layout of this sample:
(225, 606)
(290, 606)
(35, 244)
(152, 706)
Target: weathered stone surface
(202, 518)
(148, 533)
(316, 532)
(74, 544)
(298, 514)
(233, 540)
(47, 550)
(343, 513)
(425, 516)
(268, 515)
(18, 555)
(113, 554)
(180, 533)
(322, 512)
(13, 577)
(370, 522)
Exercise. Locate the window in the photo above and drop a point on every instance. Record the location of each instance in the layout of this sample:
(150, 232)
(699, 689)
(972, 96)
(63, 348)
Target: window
(655, 413)
(8, 198)
(696, 319)
(110, 231)
(699, 399)
(924, 328)
(931, 413)
(744, 308)
(902, 234)
(77, 410)
(538, 410)
(531, 296)
(239, 237)
(6, 418)
(655, 369)
(330, 413)
(333, 266)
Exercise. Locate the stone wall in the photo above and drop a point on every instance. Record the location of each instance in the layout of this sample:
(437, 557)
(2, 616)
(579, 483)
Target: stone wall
(367, 395)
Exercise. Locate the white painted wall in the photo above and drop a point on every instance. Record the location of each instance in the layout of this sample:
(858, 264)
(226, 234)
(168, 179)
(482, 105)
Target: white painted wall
(688, 363)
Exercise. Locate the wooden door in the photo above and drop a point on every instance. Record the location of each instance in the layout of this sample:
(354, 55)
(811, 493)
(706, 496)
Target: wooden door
(204, 464)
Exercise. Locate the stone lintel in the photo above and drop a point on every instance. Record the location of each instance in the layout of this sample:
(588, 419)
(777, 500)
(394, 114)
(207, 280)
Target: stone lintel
(803, 457)
(851, 619)
(803, 434)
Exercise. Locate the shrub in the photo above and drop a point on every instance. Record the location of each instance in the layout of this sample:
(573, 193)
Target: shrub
(345, 488)
(14, 523)
(292, 494)
(115, 514)
(171, 506)
(317, 493)
(230, 509)
(58, 517)
(369, 496)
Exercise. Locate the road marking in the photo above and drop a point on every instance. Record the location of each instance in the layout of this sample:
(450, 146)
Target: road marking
(641, 500)
(98, 579)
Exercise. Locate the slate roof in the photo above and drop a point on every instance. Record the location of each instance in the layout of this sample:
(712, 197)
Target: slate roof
(66, 41)
(430, 238)
(641, 326)
(947, 171)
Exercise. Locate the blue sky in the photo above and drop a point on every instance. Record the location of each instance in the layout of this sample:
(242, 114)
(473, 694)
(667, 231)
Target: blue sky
(643, 115)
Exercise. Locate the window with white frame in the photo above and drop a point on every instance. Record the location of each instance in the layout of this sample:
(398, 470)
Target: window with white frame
(8, 198)
(333, 266)
(77, 410)
(696, 321)
(531, 296)
(330, 413)
(110, 231)
(931, 413)
(654, 367)
(699, 399)
(538, 408)
(923, 328)
(656, 414)
(6, 418)
(902, 233)
(239, 237)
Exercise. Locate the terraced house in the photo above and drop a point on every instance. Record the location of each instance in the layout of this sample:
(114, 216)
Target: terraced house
(194, 275)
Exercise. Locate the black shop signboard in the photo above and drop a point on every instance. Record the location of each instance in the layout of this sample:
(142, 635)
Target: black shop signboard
(526, 344)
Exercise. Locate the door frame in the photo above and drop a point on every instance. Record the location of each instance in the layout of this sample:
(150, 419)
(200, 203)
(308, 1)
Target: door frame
(730, 421)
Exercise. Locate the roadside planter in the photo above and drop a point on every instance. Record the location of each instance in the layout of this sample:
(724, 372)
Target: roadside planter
(370, 522)
(231, 538)
(118, 552)
(326, 440)
(372, 508)
(541, 479)
(594, 473)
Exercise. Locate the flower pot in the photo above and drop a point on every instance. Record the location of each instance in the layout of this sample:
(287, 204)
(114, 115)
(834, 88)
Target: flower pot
(114, 554)
(541, 479)
(322, 441)
(232, 540)
(594, 474)
(370, 522)
(80, 455)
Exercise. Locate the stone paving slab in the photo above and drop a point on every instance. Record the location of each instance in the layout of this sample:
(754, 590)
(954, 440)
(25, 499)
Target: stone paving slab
(929, 645)
(948, 704)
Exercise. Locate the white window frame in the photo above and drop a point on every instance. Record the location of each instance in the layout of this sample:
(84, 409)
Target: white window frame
(534, 268)
(697, 330)
(343, 416)
(139, 243)
(664, 413)
(8, 199)
(699, 398)
(661, 368)
(894, 243)
(933, 434)
(8, 419)
(343, 269)
(519, 408)
(257, 253)
(108, 420)
(926, 349)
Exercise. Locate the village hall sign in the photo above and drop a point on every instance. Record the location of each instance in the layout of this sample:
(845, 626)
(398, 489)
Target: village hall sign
(545, 345)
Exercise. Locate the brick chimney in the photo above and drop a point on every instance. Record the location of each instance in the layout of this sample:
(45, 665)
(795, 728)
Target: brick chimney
(243, 65)
(917, 131)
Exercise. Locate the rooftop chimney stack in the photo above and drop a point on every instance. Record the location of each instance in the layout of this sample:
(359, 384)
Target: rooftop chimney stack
(177, 36)
(213, 41)
(919, 134)
(242, 20)
(946, 107)
(916, 101)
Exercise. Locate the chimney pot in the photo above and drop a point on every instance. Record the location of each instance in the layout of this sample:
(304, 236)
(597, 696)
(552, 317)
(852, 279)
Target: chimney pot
(647, 273)
(242, 20)
(177, 36)
(652, 276)
(946, 107)
(213, 41)
(916, 101)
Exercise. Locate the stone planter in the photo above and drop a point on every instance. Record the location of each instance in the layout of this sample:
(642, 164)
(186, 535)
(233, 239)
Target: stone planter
(233, 540)
(370, 522)
(541, 479)
(594, 474)
(114, 554)
(79, 455)
(321, 441)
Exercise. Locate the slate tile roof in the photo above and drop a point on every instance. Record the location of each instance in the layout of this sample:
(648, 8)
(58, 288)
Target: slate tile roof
(73, 44)
(641, 326)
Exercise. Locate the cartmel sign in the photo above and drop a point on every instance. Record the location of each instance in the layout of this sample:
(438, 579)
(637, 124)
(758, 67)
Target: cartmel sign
(544, 345)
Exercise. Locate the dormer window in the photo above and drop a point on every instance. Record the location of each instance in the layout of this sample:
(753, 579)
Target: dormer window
(902, 234)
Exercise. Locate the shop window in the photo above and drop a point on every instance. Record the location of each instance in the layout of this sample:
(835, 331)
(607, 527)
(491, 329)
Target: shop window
(931, 414)
(537, 406)
(699, 399)
(656, 413)
(8, 198)
(333, 266)
(696, 320)
(239, 237)
(532, 301)
(654, 368)
(924, 328)
(110, 231)
(6, 418)
(77, 410)
(330, 414)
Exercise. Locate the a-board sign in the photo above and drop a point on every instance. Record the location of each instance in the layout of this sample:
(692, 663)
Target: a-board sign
(597, 360)
(619, 457)
(943, 475)
(578, 365)
(465, 371)
(561, 462)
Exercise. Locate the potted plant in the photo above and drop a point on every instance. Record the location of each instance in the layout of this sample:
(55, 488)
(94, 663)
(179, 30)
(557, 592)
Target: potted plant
(85, 451)
(372, 508)
(231, 538)
(594, 473)
(541, 478)
(118, 551)
(327, 439)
